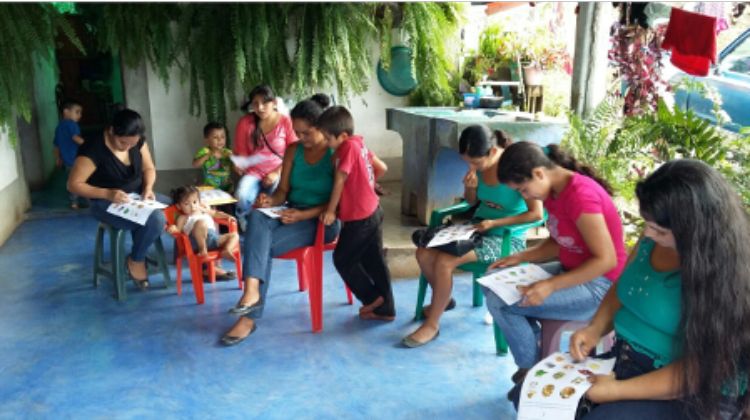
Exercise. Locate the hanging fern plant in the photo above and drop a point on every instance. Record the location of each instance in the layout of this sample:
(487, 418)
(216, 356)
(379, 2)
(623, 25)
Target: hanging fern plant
(137, 31)
(430, 28)
(228, 46)
(26, 30)
(332, 42)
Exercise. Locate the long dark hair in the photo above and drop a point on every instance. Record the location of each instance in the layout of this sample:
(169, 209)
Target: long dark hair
(477, 140)
(266, 93)
(520, 158)
(712, 236)
(310, 109)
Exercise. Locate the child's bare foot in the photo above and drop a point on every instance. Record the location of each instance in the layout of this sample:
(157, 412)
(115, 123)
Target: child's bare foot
(203, 252)
(371, 306)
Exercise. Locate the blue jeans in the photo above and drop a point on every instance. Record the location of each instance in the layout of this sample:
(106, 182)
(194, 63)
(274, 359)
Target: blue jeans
(266, 238)
(247, 191)
(519, 323)
(143, 235)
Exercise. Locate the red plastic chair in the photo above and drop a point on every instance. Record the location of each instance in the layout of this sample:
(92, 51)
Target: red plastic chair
(310, 274)
(196, 262)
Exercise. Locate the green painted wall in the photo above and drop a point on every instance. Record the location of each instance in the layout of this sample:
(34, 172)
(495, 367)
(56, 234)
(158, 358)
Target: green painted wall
(45, 80)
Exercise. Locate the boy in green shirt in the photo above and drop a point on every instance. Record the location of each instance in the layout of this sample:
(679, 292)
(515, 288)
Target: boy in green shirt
(214, 158)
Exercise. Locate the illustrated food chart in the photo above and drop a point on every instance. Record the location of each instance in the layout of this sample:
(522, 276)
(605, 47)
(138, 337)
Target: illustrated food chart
(508, 282)
(451, 234)
(135, 210)
(553, 387)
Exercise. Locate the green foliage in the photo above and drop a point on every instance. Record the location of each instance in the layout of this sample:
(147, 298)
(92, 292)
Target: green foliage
(673, 133)
(430, 26)
(594, 141)
(332, 47)
(223, 48)
(136, 31)
(26, 30)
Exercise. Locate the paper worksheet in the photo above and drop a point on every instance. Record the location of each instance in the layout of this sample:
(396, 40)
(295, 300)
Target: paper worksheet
(554, 386)
(135, 210)
(507, 282)
(216, 197)
(244, 162)
(451, 234)
(273, 212)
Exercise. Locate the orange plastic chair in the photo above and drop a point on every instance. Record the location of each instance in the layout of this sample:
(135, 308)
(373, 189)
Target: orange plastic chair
(196, 262)
(310, 274)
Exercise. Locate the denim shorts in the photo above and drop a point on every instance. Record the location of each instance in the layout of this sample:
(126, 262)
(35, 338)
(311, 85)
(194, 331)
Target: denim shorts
(212, 240)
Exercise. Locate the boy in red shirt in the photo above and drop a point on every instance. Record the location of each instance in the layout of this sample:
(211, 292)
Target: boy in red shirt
(358, 257)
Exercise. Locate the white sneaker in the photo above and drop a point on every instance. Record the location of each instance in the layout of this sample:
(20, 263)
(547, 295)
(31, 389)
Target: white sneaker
(488, 318)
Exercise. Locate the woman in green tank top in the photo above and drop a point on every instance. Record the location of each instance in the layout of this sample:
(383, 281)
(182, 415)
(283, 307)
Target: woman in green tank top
(499, 206)
(681, 308)
(305, 188)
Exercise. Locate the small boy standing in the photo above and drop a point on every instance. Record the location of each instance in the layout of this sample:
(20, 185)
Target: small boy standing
(67, 139)
(358, 257)
(214, 158)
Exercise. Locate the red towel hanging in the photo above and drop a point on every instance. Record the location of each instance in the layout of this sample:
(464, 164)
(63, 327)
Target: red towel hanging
(692, 39)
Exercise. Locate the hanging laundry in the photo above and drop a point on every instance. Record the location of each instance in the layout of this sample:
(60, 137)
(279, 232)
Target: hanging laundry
(692, 39)
(716, 9)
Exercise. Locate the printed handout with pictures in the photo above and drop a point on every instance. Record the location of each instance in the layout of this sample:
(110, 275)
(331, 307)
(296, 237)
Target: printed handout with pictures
(216, 197)
(451, 234)
(135, 210)
(244, 162)
(554, 386)
(507, 282)
(273, 212)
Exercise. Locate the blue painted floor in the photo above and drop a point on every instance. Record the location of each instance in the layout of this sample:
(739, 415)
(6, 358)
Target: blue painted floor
(68, 350)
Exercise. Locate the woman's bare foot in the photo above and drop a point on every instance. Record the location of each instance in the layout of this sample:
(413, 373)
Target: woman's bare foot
(424, 333)
(371, 306)
(249, 297)
(239, 331)
(241, 328)
(137, 269)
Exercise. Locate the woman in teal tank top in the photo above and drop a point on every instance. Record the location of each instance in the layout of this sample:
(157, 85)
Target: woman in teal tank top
(681, 308)
(499, 206)
(305, 187)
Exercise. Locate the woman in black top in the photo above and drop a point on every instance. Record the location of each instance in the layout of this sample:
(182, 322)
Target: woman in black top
(107, 170)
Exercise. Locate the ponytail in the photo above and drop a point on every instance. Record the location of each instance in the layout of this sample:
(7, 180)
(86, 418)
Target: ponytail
(502, 139)
(477, 140)
(519, 159)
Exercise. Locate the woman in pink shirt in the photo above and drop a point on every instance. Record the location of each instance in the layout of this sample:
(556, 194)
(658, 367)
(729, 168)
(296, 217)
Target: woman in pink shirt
(584, 253)
(264, 133)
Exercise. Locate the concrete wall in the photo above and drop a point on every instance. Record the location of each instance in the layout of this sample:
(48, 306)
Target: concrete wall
(14, 193)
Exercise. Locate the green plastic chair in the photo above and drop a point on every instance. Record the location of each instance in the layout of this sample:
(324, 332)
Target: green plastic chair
(476, 268)
(115, 268)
